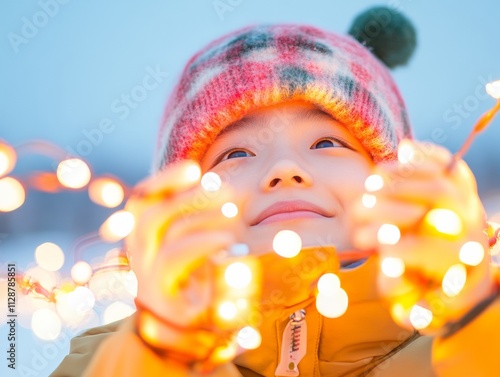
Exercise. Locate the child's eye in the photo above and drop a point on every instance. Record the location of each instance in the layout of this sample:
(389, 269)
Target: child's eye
(330, 142)
(236, 153)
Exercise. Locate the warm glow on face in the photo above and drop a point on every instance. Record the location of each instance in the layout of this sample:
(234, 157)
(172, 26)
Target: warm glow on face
(454, 280)
(444, 221)
(249, 338)
(211, 181)
(388, 234)
(472, 253)
(420, 317)
(106, 192)
(374, 183)
(287, 243)
(7, 158)
(238, 275)
(49, 256)
(12, 194)
(229, 210)
(117, 226)
(392, 267)
(73, 173)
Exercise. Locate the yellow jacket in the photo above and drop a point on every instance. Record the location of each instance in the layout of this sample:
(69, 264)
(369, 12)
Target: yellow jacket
(363, 342)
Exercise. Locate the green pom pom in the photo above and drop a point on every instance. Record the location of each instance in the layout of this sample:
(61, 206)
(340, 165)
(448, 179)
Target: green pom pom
(387, 33)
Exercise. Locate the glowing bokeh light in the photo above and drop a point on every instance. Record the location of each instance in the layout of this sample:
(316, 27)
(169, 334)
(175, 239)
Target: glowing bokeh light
(420, 317)
(454, 280)
(46, 324)
(249, 338)
(75, 306)
(493, 89)
(328, 284)
(117, 226)
(388, 234)
(81, 272)
(238, 275)
(444, 221)
(369, 200)
(7, 158)
(12, 194)
(116, 311)
(49, 256)
(393, 267)
(287, 243)
(227, 310)
(374, 183)
(47, 279)
(332, 306)
(406, 152)
(472, 253)
(193, 172)
(73, 173)
(211, 181)
(229, 210)
(106, 192)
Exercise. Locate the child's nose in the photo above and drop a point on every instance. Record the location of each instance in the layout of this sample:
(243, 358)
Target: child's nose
(286, 173)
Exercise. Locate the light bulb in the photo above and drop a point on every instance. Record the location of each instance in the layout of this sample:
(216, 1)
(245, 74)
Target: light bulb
(73, 173)
(238, 275)
(49, 256)
(211, 181)
(444, 221)
(334, 305)
(229, 210)
(406, 152)
(81, 272)
(369, 200)
(7, 158)
(393, 267)
(46, 324)
(471, 253)
(106, 192)
(287, 243)
(374, 183)
(328, 284)
(12, 194)
(388, 234)
(117, 226)
(420, 317)
(116, 311)
(249, 338)
(493, 89)
(227, 310)
(454, 280)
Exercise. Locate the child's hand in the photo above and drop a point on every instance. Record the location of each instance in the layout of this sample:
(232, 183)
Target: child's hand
(409, 192)
(178, 227)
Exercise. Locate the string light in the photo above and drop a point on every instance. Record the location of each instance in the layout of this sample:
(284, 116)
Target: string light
(211, 182)
(454, 280)
(73, 173)
(388, 234)
(369, 200)
(420, 317)
(374, 183)
(12, 194)
(46, 324)
(393, 267)
(227, 310)
(471, 253)
(328, 284)
(332, 305)
(406, 152)
(193, 172)
(49, 256)
(7, 158)
(493, 89)
(116, 311)
(249, 338)
(117, 226)
(287, 243)
(81, 272)
(238, 275)
(229, 210)
(444, 221)
(106, 192)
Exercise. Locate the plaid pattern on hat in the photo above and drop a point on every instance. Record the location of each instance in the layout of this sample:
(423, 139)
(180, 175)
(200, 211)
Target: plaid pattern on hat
(265, 65)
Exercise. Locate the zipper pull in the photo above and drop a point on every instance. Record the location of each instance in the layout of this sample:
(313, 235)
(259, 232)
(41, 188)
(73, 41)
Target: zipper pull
(293, 345)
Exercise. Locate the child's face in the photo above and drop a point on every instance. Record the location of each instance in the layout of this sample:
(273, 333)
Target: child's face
(292, 167)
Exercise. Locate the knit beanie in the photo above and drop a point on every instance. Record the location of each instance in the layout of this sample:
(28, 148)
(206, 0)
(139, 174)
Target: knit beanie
(265, 65)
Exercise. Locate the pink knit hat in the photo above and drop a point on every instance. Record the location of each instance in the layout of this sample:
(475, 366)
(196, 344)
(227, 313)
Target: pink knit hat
(265, 65)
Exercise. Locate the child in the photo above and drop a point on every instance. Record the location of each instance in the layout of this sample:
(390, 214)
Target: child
(294, 119)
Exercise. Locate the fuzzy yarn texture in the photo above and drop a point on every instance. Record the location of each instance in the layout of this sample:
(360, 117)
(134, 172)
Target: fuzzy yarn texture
(264, 65)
